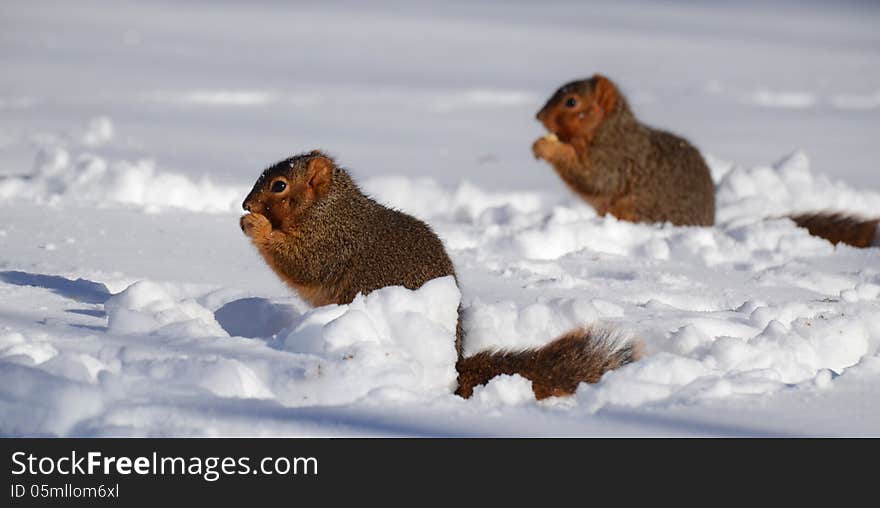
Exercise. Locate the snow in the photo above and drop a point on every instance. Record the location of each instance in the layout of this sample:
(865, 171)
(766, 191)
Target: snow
(57, 174)
(132, 305)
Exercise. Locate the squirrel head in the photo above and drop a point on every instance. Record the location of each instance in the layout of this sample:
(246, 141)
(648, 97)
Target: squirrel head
(577, 109)
(286, 191)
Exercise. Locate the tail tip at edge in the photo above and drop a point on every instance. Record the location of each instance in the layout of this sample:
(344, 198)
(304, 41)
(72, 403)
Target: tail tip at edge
(612, 339)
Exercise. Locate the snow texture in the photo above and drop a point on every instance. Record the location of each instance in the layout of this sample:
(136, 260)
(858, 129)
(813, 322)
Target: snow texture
(132, 305)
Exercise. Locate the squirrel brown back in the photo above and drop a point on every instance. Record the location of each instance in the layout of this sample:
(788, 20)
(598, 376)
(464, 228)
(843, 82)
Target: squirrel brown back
(619, 165)
(329, 242)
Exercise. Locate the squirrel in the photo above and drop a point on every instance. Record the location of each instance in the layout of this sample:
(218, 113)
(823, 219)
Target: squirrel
(619, 165)
(329, 241)
(642, 174)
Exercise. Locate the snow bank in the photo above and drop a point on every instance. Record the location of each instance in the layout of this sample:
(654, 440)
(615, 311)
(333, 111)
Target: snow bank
(147, 307)
(392, 338)
(396, 346)
(68, 170)
(768, 355)
(752, 307)
(36, 403)
(164, 344)
(788, 187)
(91, 179)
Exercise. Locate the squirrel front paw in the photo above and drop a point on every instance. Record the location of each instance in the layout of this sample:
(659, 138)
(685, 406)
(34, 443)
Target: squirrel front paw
(545, 146)
(255, 225)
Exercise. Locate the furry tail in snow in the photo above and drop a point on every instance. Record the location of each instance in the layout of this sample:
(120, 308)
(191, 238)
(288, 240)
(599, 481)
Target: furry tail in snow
(556, 369)
(837, 227)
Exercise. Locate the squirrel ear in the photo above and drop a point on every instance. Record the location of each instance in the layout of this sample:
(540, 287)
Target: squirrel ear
(604, 93)
(319, 172)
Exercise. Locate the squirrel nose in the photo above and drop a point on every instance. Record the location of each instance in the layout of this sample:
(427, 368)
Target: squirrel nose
(541, 114)
(246, 206)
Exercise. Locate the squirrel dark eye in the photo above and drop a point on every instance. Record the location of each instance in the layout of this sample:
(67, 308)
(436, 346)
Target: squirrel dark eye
(570, 102)
(278, 186)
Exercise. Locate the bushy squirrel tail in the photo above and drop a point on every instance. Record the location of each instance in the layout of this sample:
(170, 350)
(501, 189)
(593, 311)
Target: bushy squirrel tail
(556, 369)
(838, 227)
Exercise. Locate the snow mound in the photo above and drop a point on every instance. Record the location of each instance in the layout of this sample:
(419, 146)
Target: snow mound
(147, 307)
(37, 403)
(788, 187)
(69, 171)
(505, 390)
(392, 337)
(690, 365)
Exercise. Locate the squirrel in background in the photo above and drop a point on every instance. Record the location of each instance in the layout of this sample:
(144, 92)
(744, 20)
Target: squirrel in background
(620, 166)
(328, 241)
(641, 174)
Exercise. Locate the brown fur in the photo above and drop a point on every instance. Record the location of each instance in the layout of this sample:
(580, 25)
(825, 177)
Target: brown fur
(840, 228)
(620, 166)
(329, 242)
(556, 369)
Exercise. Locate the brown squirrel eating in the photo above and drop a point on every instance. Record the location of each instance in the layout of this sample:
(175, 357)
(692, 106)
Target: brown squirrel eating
(328, 241)
(617, 164)
(642, 174)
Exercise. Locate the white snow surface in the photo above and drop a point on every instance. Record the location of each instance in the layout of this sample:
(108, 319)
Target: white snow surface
(132, 305)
